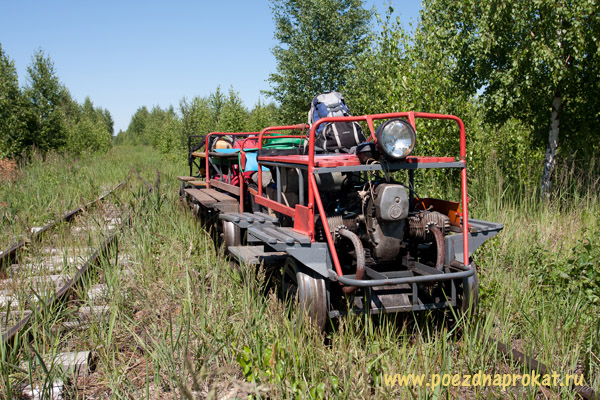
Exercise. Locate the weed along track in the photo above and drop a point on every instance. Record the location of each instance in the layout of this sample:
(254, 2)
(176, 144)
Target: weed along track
(162, 314)
(349, 232)
(50, 288)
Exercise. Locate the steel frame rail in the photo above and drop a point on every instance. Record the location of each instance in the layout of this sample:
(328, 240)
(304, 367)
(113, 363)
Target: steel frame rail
(62, 293)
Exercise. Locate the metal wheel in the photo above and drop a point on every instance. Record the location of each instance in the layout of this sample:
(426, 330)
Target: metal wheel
(231, 234)
(182, 194)
(306, 289)
(470, 292)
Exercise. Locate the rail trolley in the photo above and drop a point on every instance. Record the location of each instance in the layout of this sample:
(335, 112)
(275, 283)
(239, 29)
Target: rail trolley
(344, 230)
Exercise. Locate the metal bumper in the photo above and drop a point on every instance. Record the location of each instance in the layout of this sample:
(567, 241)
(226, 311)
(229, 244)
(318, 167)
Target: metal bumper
(468, 272)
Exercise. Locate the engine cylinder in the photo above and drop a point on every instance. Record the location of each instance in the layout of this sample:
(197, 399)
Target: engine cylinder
(386, 215)
(418, 225)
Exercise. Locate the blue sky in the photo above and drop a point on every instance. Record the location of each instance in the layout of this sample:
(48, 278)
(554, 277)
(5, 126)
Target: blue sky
(125, 54)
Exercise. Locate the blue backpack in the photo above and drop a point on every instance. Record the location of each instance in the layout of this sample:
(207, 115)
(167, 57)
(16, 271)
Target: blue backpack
(337, 136)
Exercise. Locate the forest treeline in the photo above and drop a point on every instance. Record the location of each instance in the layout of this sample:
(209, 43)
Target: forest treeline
(42, 116)
(523, 76)
(168, 129)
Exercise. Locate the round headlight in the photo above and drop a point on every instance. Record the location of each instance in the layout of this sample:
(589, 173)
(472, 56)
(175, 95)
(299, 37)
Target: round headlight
(396, 138)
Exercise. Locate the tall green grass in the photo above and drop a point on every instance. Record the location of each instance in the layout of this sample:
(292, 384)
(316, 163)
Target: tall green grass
(186, 324)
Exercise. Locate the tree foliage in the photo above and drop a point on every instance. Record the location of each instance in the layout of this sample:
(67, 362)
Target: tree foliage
(318, 43)
(89, 128)
(168, 130)
(14, 111)
(44, 116)
(262, 116)
(45, 93)
(537, 61)
(404, 72)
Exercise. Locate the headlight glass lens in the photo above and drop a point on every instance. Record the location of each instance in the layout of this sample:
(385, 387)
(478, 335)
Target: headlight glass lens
(396, 138)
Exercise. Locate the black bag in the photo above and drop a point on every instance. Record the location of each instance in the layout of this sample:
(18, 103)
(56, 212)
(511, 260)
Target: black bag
(340, 136)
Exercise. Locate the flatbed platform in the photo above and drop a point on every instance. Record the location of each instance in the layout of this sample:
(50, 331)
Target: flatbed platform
(211, 198)
(256, 255)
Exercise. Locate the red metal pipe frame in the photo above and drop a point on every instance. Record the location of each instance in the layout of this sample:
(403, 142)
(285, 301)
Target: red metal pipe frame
(336, 261)
(207, 164)
(279, 207)
(260, 139)
(313, 195)
(411, 116)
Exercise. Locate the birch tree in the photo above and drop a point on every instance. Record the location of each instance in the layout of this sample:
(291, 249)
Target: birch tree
(318, 44)
(537, 61)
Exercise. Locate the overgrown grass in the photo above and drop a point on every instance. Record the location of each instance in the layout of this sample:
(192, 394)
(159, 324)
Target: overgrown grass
(48, 187)
(186, 324)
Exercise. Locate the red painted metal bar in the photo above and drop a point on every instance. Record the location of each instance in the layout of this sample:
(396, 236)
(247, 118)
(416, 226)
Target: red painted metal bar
(372, 129)
(263, 201)
(411, 120)
(336, 261)
(241, 191)
(260, 137)
(207, 164)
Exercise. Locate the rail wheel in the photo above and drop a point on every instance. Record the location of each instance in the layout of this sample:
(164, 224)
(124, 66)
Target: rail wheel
(182, 195)
(469, 293)
(306, 289)
(231, 234)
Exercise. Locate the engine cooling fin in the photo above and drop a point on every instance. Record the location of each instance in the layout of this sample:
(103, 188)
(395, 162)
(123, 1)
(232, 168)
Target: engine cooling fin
(336, 221)
(418, 225)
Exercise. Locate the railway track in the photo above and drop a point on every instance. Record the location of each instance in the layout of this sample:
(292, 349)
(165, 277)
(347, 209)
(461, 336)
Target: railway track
(58, 263)
(49, 284)
(584, 391)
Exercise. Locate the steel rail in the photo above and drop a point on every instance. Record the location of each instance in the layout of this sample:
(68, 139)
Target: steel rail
(532, 364)
(63, 292)
(10, 254)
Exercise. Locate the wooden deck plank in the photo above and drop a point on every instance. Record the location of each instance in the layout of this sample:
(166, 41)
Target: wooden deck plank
(186, 178)
(202, 197)
(197, 183)
(233, 155)
(226, 186)
(221, 197)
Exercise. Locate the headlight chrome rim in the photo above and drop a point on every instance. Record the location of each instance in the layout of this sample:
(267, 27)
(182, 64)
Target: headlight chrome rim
(393, 135)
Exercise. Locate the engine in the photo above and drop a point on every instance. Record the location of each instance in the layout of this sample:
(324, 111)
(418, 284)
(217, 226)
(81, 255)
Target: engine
(385, 220)
(380, 214)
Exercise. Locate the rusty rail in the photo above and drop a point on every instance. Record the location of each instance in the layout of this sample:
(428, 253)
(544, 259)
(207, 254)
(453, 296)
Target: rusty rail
(10, 254)
(532, 364)
(62, 293)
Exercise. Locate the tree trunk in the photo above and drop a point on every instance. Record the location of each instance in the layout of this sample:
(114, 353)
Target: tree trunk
(550, 159)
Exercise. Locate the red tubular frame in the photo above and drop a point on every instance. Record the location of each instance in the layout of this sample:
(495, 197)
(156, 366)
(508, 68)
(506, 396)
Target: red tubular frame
(313, 192)
(272, 129)
(207, 164)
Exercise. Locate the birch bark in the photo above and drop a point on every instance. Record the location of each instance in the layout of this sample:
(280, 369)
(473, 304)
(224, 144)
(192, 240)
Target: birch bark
(550, 159)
